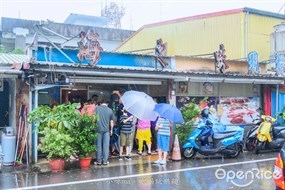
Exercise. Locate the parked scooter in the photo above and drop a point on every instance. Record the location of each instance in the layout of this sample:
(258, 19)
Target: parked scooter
(228, 143)
(251, 135)
(269, 136)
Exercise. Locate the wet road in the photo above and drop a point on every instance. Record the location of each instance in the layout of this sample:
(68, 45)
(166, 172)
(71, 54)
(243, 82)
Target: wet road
(248, 171)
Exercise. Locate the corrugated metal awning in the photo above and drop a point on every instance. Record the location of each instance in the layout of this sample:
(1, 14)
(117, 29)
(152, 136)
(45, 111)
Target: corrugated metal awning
(86, 74)
(10, 64)
(6, 58)
(127, 72)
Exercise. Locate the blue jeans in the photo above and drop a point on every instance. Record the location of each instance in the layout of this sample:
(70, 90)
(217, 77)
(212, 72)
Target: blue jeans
(103, 141)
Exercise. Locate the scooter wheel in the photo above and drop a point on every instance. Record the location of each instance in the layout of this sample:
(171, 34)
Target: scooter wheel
(258, 147)
(250, 144)
(189, 152)
(236, 154)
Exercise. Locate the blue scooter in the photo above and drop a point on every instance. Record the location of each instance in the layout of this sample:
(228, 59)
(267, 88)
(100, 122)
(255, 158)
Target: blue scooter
(227, 143)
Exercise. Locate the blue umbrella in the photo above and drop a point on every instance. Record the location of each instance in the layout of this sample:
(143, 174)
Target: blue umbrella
(170, 112)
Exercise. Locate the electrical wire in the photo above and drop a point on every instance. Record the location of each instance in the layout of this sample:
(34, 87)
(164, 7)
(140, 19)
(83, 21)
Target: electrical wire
(281, 8)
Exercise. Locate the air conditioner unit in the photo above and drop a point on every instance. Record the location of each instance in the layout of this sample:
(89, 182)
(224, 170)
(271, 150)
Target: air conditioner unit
(63, 78)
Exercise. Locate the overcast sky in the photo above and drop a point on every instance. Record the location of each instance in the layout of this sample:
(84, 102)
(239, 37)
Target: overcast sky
(138, 12)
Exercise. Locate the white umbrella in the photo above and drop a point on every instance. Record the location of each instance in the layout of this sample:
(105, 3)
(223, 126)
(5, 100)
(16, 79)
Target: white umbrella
(139, 104)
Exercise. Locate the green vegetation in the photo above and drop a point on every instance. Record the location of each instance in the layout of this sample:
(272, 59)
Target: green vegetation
(15, 51)
(56, 144)
(2, 50)
(84, 135)
(190, 112)
(64, 131)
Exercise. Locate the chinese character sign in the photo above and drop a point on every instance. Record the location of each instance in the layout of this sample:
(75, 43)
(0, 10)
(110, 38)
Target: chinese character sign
(279, 64)
(220, 59)
(89, 47)
(253, 65)
(160, 52)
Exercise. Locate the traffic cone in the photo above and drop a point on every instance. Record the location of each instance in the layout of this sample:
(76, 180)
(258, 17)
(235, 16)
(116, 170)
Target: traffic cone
(176, 153)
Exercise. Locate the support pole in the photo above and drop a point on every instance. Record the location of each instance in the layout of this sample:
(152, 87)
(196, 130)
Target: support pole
(277, 99)
(35, 133)
(57, 48)
(30, 128)
(53, 32)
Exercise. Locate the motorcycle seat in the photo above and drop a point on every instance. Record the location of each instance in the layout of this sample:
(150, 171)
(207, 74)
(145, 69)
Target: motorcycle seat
(225, 132)
(224, 135)
(278, 128)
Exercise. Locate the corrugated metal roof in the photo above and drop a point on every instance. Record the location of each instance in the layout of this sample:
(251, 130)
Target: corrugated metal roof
(10, 64)
(219, 13)
(263, 13)
(154, 74)
(203, 16)
(183, 19)
(6, 58)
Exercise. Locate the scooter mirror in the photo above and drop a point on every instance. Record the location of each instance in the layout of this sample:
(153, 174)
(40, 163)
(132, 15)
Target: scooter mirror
(257, 121)
(268, 119)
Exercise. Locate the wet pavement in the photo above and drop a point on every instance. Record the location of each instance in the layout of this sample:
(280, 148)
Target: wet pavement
(248, 171)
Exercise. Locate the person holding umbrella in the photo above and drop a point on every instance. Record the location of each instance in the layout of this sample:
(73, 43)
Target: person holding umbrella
(141, 106)
(168, 114)
(163, 139)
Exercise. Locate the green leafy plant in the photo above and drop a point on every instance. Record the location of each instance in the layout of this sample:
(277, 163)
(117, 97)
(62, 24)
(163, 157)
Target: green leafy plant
(61, 117)
(55, 126)
(55, 144)
(17, 51)
(190, 112)
(84, 135)
(2, 49)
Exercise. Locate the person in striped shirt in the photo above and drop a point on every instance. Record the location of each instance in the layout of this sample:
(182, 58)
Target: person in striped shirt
(126, 125)
(163, 138)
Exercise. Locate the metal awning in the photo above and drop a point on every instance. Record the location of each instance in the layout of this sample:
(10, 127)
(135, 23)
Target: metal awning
(6, 58)
(150, 76)
(245, 80)
(10, 64)
(108, 80)
(9, 72)
(115, 74)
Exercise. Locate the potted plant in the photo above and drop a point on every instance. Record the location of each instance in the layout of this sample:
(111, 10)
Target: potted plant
(58, 146)
(84, 137)
(54, 125)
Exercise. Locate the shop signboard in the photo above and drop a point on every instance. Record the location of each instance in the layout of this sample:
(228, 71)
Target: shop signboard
(229, 110)
(239, 110)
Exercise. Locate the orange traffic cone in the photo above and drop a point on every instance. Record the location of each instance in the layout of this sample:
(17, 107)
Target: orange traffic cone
(176, 153)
